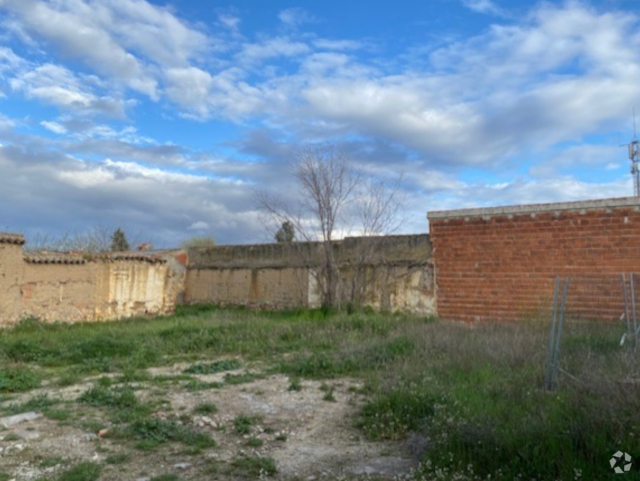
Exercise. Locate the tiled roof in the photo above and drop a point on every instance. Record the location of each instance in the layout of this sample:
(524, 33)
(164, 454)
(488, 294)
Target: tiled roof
(54, 258)
(11, 238)
(131, 256)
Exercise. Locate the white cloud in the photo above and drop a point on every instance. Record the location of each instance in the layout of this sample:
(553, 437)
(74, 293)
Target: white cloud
(54, 127)
(270, 48)
(294, 17)
(199, 225)
(483, 6)
(123, 39)
(59, 86)
(231, 22)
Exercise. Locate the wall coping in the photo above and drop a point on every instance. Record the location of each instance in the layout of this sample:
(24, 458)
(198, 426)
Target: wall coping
(11, 238)
(599, 204)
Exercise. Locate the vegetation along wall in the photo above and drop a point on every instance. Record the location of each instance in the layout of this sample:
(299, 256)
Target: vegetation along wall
(500, 263)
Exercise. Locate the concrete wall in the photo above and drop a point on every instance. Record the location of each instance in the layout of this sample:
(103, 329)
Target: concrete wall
(74, 287)
(285, 276)
(499, 263)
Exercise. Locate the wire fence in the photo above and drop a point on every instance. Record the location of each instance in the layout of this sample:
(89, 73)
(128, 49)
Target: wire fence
(599, 312)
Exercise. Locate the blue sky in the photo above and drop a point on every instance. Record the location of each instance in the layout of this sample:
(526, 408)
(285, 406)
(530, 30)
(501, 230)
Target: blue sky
(164, 119)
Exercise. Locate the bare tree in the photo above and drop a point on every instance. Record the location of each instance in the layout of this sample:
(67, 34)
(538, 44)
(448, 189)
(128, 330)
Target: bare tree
(334, 199)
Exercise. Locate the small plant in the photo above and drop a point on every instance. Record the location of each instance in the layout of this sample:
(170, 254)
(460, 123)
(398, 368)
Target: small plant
(255, 466)
(295, 384)
(12, 437)
(242, 423)
(165, 477)
(57, 414)
(99, 395)
(50, 462)
(37, 403)
(18, 379)
(153, 432)
(328, 392)
(117, 458)
(196, 385)
(254, 442)
(214, 367)
(205, 408)
(86, 471)
(243, 378)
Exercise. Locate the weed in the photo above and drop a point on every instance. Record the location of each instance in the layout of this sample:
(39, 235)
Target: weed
(328, 394)
(57, 414)
(205, 408)
(153, 432)
(69, 378)
(295, 384)
(5, 476)
(241, 378)
(213, 367)
(195, 385)
(117, 458)
(50, 462)
(86, 471)
(99, 395)
(165, 477)
(18, 379)
(254, 442)
(37, 403)
(255, 466)
(12, 437)
(242, 423)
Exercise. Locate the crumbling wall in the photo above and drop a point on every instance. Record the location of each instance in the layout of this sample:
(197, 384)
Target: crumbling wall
(273, 288)
(51, 290)
(10, 276)
(75, 286)
(397, 269)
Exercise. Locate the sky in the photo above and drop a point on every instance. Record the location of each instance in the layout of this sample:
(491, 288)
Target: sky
(167, 118)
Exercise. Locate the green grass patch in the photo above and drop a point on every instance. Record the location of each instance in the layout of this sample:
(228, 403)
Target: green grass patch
(242, 423)
(213, 367)
(154, 432)
(37, 403)
(205, 408)
(18, 379)
(86, 471)
(117, 458)
(255, 466)
(165, 477)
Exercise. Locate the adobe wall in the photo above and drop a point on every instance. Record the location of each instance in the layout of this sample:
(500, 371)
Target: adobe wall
(10, 275)
(500, 263)
(272, 288)
(284, 275)
(73, 287)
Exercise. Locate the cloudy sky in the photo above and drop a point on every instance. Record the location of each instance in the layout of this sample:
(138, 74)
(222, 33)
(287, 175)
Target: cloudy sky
(165, 118)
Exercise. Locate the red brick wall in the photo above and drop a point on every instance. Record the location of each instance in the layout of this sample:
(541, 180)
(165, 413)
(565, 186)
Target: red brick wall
(500, 263)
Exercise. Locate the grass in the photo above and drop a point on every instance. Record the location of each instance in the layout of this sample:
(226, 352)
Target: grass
(18, 378)
(469, 399)
(205, 408)
(86, 471)
(213, 367)
(255, 466)
(242, 423)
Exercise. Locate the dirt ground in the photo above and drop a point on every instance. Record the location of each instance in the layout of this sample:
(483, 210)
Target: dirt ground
(308, 436)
